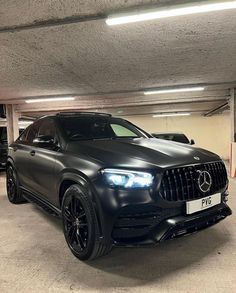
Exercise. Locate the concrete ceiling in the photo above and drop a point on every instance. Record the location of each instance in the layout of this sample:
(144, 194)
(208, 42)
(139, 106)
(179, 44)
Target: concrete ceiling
(50, 48)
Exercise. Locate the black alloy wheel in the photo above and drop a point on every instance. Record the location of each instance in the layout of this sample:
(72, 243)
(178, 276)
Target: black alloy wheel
(76, 225)
(80, 225)
(13, 191)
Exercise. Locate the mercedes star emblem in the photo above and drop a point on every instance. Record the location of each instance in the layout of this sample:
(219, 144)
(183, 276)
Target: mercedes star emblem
(204, 181)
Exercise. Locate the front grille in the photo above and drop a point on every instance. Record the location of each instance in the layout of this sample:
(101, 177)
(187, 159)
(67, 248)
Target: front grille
(180, 184)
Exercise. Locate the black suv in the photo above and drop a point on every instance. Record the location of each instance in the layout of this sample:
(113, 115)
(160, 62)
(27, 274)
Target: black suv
(174, 136)
(4, 146)
(113, 184)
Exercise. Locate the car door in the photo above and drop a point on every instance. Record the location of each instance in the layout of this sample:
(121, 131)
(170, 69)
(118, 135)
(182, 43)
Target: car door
(36, 165)
(42, 162)
(21, 153)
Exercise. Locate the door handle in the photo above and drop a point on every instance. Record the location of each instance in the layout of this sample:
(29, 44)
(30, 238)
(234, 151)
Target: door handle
(32, 153)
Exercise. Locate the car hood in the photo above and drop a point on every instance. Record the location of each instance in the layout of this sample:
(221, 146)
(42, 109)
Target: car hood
(141, 152)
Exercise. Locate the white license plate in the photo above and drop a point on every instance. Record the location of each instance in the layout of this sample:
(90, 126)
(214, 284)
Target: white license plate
(202, 203)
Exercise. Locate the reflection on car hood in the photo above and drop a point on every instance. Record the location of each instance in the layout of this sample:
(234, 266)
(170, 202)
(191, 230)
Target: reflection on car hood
(141, 152)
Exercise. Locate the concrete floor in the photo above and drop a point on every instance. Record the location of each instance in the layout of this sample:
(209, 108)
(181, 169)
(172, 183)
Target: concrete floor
(34, 258)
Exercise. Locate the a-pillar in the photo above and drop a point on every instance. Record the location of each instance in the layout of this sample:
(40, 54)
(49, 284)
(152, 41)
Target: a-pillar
(12, 123)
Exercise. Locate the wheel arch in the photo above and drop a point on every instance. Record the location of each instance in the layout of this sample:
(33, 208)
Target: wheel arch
(70, 178)
(10, 162)
(65, 184)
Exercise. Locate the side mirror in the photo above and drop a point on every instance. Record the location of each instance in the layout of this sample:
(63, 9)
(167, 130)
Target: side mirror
(44, 141)
(192, 141)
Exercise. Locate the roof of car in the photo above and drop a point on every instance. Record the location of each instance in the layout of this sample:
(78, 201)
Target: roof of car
(82, 113)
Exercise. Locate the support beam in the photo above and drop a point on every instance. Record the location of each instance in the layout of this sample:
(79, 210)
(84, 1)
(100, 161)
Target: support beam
(233, 113)
(233, 132)
(12, 123)
(135, 96)
(115, 102)
(217, 110)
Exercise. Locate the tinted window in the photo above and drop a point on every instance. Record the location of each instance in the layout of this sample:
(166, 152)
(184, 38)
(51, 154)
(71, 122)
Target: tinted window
(95, 127)
(180, 138)
(163, 136)
(174, 137)
(168, 137)
(23, 135)
(47, 128)
(33, 131)
(3, 133)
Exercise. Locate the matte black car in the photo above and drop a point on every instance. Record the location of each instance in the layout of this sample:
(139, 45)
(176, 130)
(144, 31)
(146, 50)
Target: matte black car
(113, 184)
(174, 136)
(4, 146)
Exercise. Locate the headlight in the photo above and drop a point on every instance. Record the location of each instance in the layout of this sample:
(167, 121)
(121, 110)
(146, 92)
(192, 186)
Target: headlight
(127, 179)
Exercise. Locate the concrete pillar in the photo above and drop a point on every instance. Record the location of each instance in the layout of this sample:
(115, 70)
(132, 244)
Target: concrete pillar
(12, 123)
(233, 132)
(233, 114)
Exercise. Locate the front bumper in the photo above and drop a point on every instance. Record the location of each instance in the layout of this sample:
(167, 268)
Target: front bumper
(138, 217)
(176, 226)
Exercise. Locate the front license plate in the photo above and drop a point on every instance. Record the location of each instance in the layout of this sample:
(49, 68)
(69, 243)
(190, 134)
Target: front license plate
(202, 203)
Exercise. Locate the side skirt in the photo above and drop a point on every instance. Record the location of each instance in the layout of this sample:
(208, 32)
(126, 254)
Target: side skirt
(41, 203)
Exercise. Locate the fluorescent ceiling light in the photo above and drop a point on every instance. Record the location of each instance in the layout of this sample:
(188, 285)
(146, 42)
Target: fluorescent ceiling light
(49, 100)
(199, 7)
(170, 114)
(21, 122)
(174, 90)
(25, 122)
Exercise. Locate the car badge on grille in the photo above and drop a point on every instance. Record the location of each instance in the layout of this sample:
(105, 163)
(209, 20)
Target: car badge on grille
(204, 181)
(196, 158)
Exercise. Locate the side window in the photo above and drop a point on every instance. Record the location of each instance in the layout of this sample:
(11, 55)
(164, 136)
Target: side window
(47, 128)
(181, 138)
(23, 135)
(122, 131)
(33, 132)
(3, 134)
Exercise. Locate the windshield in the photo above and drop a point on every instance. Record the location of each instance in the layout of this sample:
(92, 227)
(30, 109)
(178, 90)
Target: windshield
(95, 127)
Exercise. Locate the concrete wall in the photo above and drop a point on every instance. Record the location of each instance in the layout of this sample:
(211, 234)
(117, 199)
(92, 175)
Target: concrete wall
(212, 133)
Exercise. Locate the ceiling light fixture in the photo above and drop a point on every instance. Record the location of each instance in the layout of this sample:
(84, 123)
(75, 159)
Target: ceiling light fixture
(170, 115)
(41, 100)
(22, 122)
(177, 10)
(174, 90)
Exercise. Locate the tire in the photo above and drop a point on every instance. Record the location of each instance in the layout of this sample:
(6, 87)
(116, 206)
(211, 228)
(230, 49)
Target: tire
(80, 225)
(13, 191)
